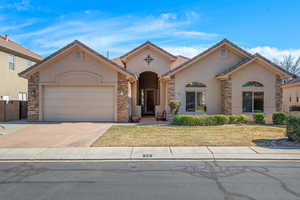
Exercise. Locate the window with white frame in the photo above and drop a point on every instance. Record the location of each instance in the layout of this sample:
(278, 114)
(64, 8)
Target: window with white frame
(253, 97)
(22, 96)
(11, 62)
(195, 96)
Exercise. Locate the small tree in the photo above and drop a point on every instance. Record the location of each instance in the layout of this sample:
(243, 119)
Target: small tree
(174, 106)
(290, 63)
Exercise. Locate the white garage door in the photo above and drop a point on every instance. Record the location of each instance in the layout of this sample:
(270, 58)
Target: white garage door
(78, 104)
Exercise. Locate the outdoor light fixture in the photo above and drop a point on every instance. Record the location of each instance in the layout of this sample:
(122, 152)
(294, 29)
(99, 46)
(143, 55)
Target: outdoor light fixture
(33, 92)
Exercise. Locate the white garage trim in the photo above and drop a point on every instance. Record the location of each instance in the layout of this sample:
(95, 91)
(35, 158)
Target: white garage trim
(42, 90)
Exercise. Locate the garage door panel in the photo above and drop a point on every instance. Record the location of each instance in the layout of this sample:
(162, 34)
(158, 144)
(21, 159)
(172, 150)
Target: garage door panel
(79, 104)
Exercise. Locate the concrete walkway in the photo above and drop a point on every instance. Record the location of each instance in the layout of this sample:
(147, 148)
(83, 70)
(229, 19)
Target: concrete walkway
(149, 153)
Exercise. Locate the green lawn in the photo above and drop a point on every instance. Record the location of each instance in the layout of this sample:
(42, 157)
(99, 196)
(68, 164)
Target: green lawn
(134, 136)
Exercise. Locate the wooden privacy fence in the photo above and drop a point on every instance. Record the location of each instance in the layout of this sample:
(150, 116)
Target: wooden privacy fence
(13, 110)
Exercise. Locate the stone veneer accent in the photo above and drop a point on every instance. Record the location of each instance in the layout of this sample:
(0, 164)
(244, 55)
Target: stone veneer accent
(226, 95)
(33, 97)
(122, 99)
(278, 94)
(170, 94)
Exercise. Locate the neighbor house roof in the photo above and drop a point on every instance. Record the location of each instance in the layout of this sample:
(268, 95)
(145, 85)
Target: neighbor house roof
(35, 67)
(206, 52)
(292, 83)
(248, 60)
(12, 47)
(145, 45)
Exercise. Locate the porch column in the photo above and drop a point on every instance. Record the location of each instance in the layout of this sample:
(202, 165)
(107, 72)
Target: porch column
(170, 95)
(278, 95)
(136, 111)
(226, 95)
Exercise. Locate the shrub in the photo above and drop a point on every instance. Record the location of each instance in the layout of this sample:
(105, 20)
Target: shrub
(279, 118)
(240, 119)
(259, 118)
(174, 106)
(208, 120)
(220, 119)
(293, 127)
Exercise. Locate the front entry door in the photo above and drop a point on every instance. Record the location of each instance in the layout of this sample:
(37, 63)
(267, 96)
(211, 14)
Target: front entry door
(149, 101)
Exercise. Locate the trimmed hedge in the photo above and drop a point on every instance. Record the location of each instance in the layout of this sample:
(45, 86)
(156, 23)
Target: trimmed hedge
(279, 118)
(259, 118)
(209, 120)
(293, 127)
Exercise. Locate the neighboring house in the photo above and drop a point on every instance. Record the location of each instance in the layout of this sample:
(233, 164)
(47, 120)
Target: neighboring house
(78, 84)
(291, 96)
(13, 59)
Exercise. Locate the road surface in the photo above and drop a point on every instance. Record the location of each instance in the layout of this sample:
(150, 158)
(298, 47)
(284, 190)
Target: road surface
(152, 180)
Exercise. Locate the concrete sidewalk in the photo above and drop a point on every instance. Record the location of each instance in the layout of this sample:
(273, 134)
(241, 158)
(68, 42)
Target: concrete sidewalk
(149, 153)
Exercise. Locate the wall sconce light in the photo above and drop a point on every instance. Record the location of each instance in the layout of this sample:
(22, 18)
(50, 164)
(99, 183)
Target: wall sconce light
(121, 93)
(33, 92)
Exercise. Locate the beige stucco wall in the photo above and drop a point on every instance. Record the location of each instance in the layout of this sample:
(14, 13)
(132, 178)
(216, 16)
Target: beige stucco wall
(254, 72)
(69, 69)
(10, 82)
(293, 92)
(205, 71)
(80, 71)
(160, 65)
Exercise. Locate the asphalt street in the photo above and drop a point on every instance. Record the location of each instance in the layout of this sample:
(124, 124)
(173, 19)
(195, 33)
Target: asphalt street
(150, 180)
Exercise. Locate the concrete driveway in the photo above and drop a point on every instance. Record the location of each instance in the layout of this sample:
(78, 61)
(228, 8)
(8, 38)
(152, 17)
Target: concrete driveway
(77, 134)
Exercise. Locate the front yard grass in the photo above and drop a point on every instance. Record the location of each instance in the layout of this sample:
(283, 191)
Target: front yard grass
(239, 135)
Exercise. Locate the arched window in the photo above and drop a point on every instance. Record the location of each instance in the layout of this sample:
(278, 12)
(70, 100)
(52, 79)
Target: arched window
(253, 99)
(195, 96)
(195, 84)
(253, 84)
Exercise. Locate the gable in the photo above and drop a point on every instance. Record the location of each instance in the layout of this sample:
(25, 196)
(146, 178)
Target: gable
(208, 67)
(147, 45)
(137, 64)
(224, 44)
(60, 54)
(76, 66)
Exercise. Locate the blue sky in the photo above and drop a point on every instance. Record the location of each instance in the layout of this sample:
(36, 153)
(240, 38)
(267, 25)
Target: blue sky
(270, 27)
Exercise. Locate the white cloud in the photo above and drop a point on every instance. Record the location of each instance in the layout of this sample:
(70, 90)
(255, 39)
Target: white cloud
(197, 34)
(273, 53)
(103, 33)
(185, 50)
(19, 5)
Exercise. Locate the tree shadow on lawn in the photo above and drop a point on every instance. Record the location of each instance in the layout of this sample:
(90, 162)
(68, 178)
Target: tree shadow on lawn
(279, 143)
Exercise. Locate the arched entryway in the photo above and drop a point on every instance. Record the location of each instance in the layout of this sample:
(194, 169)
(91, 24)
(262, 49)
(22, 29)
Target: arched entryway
(148, 92)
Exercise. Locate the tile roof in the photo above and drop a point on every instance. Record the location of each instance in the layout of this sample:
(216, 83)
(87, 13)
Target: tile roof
(294, 81)
(10, 46)
(244, 61)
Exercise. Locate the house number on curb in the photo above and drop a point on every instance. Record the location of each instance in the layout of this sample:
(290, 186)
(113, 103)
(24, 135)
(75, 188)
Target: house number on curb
(147, 155)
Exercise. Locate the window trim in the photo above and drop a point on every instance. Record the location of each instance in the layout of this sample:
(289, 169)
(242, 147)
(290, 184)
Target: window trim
(196, 91)
(260, 85)
(252, 100)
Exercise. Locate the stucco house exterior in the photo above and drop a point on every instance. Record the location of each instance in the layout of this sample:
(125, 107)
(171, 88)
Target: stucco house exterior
(78, 84)
(291, 96)
(14, 58)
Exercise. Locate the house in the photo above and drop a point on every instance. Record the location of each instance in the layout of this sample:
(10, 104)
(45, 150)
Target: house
(78, 84)
(291, 96)
(13, 59)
